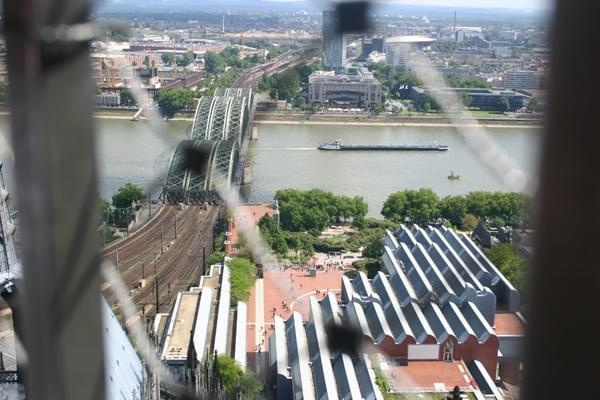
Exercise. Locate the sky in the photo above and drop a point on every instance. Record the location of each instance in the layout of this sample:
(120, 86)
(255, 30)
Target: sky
(515, 4)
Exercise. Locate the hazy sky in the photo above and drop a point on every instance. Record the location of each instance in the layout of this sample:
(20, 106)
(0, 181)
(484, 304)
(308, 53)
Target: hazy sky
(537, 4)
(518, 4)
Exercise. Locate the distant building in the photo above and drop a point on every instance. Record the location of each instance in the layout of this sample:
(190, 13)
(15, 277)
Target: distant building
(503, 52)
(356, 86)
(397, 48)
(108, 100)
(484, 99)
(507, 35)
(463, 33)
(519, 80)
(479, 42)
(334, 42)
(370, 45)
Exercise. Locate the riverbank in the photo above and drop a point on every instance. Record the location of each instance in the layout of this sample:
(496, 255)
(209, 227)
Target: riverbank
(127, 115)
(279, 118)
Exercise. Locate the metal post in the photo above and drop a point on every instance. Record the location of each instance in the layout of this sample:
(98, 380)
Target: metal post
(149, 206)
(55, 166)
(203, 260)
(156, 292)
(118, 264)
(175, 225)
(161, 238)
(156, 282)
(143, 274)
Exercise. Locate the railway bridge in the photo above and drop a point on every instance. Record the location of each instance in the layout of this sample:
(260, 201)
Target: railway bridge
(219, 134)
(220, 124)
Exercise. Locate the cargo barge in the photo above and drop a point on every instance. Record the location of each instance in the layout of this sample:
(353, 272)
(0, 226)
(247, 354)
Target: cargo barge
(338, 145)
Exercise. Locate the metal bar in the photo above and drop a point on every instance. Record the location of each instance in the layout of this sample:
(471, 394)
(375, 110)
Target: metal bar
(565, 279)
(60, 318)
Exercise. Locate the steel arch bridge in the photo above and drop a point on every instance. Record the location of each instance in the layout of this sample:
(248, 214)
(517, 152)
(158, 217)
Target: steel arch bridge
(217, 132)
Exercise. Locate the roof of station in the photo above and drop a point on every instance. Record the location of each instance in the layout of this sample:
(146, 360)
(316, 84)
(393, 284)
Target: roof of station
(300, 353)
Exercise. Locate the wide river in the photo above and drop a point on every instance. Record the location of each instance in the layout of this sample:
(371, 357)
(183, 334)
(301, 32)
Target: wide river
(285, 156)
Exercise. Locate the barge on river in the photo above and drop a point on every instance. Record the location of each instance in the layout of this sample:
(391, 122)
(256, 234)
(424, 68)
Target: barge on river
(338, 145)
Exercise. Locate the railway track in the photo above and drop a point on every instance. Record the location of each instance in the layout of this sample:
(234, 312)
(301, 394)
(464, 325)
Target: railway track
(141, 263)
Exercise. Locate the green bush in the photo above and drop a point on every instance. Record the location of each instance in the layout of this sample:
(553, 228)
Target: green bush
(233, 377)
(243, 276)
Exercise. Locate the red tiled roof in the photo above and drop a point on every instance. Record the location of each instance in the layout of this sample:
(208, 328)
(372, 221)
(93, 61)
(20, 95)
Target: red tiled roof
(422, 375)
(508, 324)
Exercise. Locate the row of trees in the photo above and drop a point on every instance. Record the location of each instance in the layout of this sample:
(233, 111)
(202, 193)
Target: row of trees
(286, 85)
(423, 206)
(172, 100)
(315, 209)
(397, 82)
(215, 63)
(457, 82)
(182, 60)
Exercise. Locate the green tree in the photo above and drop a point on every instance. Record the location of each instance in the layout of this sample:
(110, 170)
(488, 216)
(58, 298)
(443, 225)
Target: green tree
(533, 105)
(503, 104)
(213, 62)
(374, 248)
(172, 100)
(275, 52)
(243, 276)
(216, 258)
(127, 99)
(453, 208)
(273, 235)
(476, 83)
(104, 209)
(469, 222)
(299, 102)
(286, 84)
(504, 256)
(234, 378)
(126, 195)
(467, 100)
(186, 59)
(419, 206)
(165, 58)
(377, 108)
(314, 209)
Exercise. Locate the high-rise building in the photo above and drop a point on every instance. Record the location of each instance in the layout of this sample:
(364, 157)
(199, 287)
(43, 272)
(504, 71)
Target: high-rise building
(334, 43)
(399, 47)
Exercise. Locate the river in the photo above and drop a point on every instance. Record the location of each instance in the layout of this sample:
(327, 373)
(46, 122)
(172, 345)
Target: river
(285, 156)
